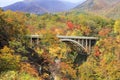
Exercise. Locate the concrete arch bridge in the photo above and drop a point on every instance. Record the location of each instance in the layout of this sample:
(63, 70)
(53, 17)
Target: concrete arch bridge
(86, 43)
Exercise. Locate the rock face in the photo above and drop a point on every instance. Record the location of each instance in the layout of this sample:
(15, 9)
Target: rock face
(40, 6)
(109, 8)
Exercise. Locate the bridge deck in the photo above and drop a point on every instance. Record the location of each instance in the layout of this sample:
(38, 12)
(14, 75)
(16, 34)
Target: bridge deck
(77, 37)
(66, 37)
(33, 36)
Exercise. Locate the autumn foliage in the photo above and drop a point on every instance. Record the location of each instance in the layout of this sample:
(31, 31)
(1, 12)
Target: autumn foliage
(55, 59)
(70, 25)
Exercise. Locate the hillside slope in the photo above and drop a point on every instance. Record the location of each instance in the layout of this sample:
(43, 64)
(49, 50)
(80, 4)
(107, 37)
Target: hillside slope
(109, 8)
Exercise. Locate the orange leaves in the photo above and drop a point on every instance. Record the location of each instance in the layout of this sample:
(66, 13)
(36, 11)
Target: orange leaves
(104, 32)
(57, 31)
(32, 29)
(26, 67)
(108, 43)
(9, 20)
(67, 69)
(64, 65)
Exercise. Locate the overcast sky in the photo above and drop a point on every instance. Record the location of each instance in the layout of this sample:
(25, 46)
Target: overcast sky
(8, 2)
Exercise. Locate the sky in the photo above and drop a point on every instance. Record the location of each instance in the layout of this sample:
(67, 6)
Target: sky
(8, 2)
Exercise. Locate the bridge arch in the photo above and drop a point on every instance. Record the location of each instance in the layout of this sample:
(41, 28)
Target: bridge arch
(81, 56)
(75, 42)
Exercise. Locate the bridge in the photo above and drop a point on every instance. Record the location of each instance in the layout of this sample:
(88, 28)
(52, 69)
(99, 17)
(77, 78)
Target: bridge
(85, 43)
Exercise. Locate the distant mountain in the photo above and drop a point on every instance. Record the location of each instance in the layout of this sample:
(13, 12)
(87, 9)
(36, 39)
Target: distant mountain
(109, 8)
(40, 6)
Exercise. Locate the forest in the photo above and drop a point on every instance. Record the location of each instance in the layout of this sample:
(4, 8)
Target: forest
(19, 61)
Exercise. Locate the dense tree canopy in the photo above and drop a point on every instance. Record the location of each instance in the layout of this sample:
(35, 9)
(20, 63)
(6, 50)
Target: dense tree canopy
(12, 27)
(57, 59)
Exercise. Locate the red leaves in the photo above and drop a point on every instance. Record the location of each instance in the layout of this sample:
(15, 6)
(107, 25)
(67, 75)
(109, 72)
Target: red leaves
(70, 25)
(97, 51)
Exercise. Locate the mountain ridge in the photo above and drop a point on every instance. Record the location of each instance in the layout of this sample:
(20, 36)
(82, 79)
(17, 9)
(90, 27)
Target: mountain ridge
(41, 6)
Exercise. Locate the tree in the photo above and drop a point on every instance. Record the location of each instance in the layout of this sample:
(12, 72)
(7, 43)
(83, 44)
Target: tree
(8, 61)
(12, 27)
(117, 26)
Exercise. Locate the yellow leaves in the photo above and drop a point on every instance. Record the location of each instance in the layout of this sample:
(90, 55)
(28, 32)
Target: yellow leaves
(16, 16)
(108, 71)
(117, 26)
(59, 50)
(118, 39)
(86, 71)
(54, 50)
(86, 30)
(12, 26)
(6, 50)
(40, 51)
(1, 10)
(45, 75)
(10, 57)
(8, 61)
